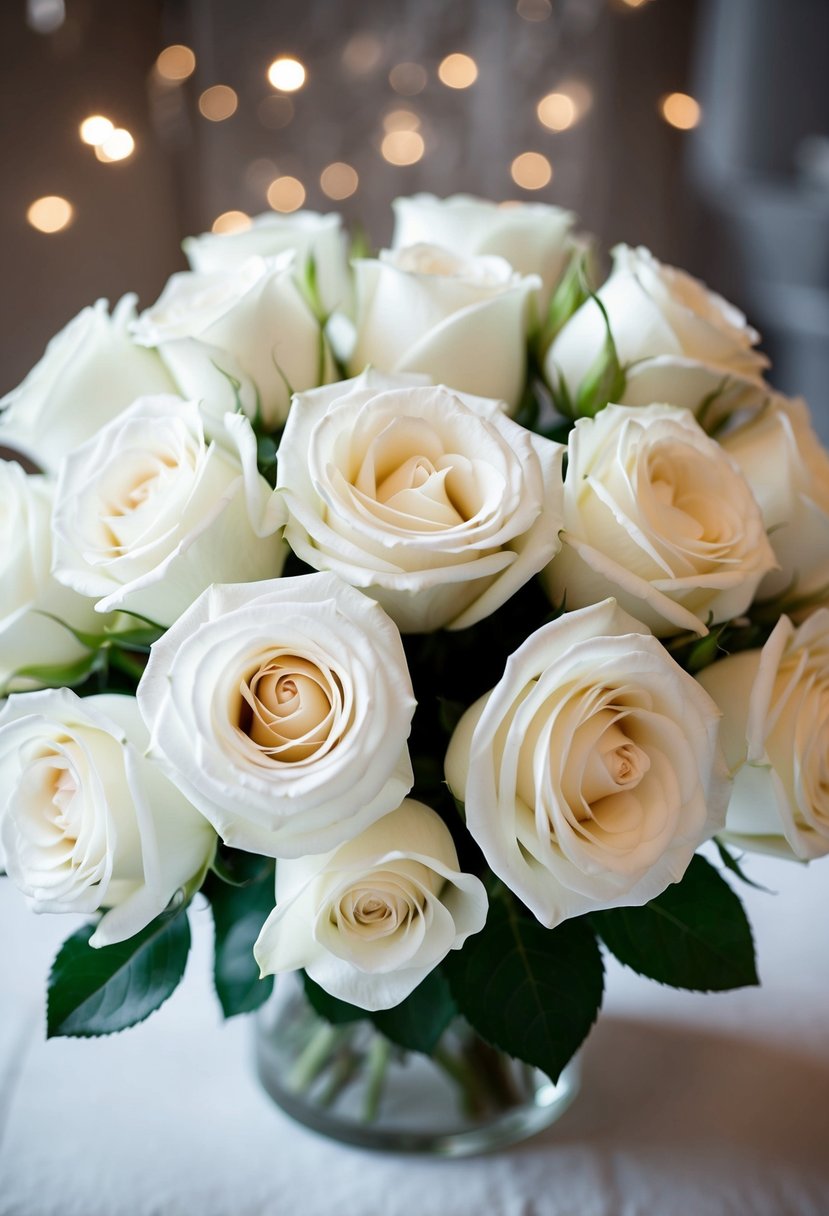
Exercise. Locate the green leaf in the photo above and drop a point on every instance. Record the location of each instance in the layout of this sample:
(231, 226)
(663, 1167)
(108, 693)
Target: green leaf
(605, 379)
(572, 291)
(338, 1012)
(694, 935)
(60, 675)
(95, 992)
(239, 912)
(531, 991)
(732, 863)
(417, 1023)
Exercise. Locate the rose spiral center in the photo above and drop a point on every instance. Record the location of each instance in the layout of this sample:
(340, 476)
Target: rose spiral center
(288, 707)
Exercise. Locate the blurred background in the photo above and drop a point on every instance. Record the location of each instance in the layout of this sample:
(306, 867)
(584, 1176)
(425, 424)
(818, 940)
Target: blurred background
(697, 127)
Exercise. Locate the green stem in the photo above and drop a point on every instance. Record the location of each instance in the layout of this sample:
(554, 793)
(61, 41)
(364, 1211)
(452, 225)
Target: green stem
(378, 1062)
(127, 663)
(473, 1098)
(314, 1057)
(342, 1073)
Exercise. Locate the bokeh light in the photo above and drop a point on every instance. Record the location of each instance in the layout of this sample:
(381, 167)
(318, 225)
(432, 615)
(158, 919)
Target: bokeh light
(286, 74)
(52, 213)
(401, 120)
(531, 171)
(402, 147)
(218, 102)
(118, 145)
(176, 62)
(407, 79)
(286, 193)
(231, 221)
(680, 110)
(95, 129)
(557, 111)
(339, 180)
(362, 54)
(458, 71)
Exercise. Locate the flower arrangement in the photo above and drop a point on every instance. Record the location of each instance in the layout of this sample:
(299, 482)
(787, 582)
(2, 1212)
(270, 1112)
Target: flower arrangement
(425, 619)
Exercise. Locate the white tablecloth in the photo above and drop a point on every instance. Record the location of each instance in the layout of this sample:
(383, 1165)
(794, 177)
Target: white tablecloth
(691, 1104)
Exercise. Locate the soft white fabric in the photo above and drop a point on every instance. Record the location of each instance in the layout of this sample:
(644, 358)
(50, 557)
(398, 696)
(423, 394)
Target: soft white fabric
(710, 1105)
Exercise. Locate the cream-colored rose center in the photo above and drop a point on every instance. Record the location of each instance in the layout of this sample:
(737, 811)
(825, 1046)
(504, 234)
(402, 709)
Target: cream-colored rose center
(379, 910)
(288, 706)
(130, 491)
(684, 500)
(51, 805)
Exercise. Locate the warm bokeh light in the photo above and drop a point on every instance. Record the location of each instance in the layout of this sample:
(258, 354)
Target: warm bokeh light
(408, 79)
(680, 110)
(286, 74)
(275, 111)
(117, 146)
(402, 147)
(231, 221)
(401, 120)
(339, 180)
(95, 129)
(362, 54)
(557, 111)
(458, 71)
(50, 213)
(176, 62)
(531, 170)
(218, 102)
(534, 10)
(286, 193)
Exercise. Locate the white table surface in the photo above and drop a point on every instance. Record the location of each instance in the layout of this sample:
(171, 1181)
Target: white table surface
(691, 1104)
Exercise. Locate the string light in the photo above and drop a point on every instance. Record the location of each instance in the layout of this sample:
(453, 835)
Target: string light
(286, 193)
(458, 71)
(680, 110)
(402, 147)
(176, 63)
(287, 74)
(117, 146)
(231, 221)
(339, 180)
(531, 171)
(95, 129)
(50, 213)
(408, 79)
(218, 102)
(362, 54)
(557, 111)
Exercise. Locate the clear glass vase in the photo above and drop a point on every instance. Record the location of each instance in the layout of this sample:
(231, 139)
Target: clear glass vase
(350, 1083)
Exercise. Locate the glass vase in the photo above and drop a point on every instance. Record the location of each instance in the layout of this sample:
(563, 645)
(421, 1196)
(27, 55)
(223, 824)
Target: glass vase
(351, 1083)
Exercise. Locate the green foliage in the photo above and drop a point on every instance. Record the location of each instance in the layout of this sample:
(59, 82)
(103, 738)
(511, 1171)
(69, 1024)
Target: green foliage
(99, 991)
(694, 935)
(417, 1023)
(532, 992)
(240, 908)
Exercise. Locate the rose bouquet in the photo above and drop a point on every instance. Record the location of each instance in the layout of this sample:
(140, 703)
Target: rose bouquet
(424, 620)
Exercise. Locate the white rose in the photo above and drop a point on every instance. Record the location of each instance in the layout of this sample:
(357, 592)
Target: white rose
(90, 372)
(655, 310)
(308, 234)
(533, 237)
(435, 502)
(250, 324)
(775, 735)
(591, 771)
(148, 513)
(282, 710)
(712, 395)
(460, 321)
(86, 823)
(656, 514)
(27, 588)
(370, 920)
(787, 467)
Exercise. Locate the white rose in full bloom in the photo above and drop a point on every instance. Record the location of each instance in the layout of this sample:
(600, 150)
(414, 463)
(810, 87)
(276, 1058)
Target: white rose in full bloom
(27, 588)
(787, 467)
(307, 233)
(434, 502)
(460, 321)
(282, 710)
(591, 771)
(533, 237)
(775, 735)
(657, 311)
(86, 822)
(250, 324)
(658, 515)
(148, 513)
(90, 372)
(371, 919)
